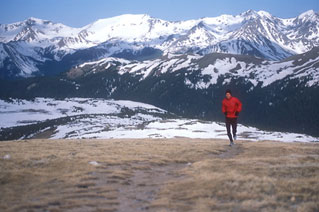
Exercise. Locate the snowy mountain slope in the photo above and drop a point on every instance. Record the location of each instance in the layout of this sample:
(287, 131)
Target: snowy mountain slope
(22, 112)
(42, 33)
(98, 118)
(251, 33)
(304, 67)
(19, 60)
(27, 45)
(301, 30)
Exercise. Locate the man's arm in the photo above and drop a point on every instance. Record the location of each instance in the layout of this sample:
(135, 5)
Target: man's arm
(239, 106)
(224, 108)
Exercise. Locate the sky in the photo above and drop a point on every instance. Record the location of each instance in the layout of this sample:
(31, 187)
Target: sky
(78, 13)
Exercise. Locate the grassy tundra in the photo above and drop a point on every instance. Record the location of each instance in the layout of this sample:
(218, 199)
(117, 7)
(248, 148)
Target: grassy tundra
(158, 175)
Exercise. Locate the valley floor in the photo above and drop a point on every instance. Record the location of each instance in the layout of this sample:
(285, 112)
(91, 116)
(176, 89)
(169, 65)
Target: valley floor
(178, 174)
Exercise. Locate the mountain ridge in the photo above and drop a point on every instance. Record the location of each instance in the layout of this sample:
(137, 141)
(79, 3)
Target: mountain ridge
(40, 42)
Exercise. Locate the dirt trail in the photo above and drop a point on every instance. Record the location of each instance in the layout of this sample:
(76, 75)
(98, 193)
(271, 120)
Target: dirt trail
(137, 190)
(144, 186)
(231, 151)
(130, 192)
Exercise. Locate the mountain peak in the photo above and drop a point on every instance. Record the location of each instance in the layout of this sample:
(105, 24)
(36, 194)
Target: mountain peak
(127, 16)
(200, 26)
(33, 21)
(125, 19)
(310, 14)
(264, 14)
(142, 16)
(249, 13)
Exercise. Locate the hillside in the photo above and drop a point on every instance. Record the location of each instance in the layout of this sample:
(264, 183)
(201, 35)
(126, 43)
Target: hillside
(277, 96)
(158, 175)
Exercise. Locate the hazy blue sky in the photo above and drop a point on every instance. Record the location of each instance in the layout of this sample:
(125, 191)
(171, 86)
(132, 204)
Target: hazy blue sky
(78, 13)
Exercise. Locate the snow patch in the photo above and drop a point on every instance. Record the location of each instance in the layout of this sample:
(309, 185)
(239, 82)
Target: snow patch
(94, 163)
(7, 157)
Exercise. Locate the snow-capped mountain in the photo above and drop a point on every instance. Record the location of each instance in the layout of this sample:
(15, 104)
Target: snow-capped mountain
(34, 46)
(43, 33)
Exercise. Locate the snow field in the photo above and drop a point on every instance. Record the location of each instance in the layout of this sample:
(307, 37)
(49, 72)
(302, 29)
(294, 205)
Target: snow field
(103, 121)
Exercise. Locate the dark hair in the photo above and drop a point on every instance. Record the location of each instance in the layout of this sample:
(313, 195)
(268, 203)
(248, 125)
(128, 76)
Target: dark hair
(228, 91)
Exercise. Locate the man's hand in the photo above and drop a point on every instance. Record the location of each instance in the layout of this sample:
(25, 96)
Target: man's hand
(237, 113)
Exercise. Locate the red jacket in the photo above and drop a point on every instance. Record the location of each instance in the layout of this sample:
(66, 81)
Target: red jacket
(231, 106)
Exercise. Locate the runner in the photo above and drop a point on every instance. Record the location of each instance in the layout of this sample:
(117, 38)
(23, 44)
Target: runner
(231, 107)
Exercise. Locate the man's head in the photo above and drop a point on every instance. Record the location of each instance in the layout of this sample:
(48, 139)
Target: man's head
(228, 93)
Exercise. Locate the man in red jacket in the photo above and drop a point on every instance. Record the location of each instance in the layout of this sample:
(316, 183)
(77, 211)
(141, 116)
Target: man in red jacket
(231, 106)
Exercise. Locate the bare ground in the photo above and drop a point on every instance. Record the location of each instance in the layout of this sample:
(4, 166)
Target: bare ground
(158, 175)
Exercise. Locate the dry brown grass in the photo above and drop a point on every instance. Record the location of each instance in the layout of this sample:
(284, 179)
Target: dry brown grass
(158, 175)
